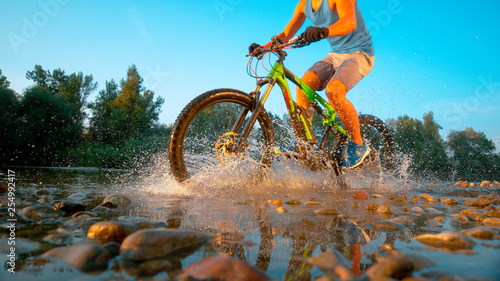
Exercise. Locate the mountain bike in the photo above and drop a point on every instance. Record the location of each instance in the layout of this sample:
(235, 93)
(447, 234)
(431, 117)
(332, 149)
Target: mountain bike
(227, 126)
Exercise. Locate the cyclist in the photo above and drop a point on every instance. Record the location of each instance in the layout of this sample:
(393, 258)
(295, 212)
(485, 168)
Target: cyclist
(351, 59)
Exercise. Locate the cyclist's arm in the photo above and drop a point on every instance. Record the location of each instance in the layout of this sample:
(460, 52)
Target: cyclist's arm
(347, 18)
(294, 24)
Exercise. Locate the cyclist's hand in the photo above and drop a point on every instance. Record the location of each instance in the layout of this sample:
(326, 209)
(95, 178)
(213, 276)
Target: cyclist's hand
(252, 48)
(313, 33)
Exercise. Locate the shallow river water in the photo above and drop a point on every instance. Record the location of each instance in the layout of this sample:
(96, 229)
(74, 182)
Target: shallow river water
(253, 221)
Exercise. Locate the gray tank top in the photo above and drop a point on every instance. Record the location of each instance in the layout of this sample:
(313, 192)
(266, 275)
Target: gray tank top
(358, 40)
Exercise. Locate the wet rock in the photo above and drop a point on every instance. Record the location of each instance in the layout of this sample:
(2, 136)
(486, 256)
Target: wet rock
(404, 220)
(101, 210)
(155, 243)
(83, 222)
(427, 197)
(469, 212)
(387, 226)
(372, 207)
(79, 196)
(447, 240)
(491, 221)
(111, 230)
(355, 205)
(377, 196)
(117, 200)
(439, 219)
(492, 214)
(461, 218)
(432, 211)
(461, 183)
(113, 248)
(398, 202)
(281, 210)
(152, 267)
(85, 257)
(485, 184)
(84, 213)
(384, 208)
(327, 212)
(275, 202)
(398, 196)
(476, 217)
(398, 267)
(69, 207)
(448, 201)
(333, 263)
(142, 222)
(416, 210)
(222, 269)
(480, 232)
(361, 194)
(480, 203)
(292, 202)
(313, 203)
(39, 212)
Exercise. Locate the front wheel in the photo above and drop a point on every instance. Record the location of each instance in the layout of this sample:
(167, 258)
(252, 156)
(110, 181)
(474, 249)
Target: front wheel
(203, 138)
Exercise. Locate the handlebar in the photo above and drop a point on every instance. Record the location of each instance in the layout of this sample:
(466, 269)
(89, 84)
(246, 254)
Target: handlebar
(278, 46)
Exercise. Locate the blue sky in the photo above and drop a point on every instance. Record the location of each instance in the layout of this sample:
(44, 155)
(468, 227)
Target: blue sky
(438, 56)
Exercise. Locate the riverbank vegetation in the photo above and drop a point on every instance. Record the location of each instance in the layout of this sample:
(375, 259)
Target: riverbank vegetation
(53, 123)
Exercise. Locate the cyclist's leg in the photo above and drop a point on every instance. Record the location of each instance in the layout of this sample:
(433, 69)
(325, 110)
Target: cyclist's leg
(316, 78)
(351, 69)
(313, 81)
(336, 93)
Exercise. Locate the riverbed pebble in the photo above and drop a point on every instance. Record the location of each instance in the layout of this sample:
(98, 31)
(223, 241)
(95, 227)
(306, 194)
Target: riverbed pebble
(117, 200)
(448, 240)
(40, 212)
(387, 226)
(480, 203)
(85, 257)
(154, 243)
(361, 194)
(491, 221)
(111, 230)
(222, 269)
(448, 201)
(480, 232)
(327, 212)
(385, 209)
(427, 197)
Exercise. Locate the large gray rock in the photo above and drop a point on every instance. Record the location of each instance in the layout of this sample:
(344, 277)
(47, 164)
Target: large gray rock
(39, 212)
(156, 243)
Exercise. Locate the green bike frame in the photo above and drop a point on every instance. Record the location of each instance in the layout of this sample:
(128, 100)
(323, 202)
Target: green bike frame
(279, 74)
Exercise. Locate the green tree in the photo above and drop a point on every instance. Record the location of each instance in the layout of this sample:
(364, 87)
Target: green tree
(46, 119)
(74, 88)
(10, 127)
(422, 141)
(134, 110)
(473, 155)
(102, 111)
(4, 84)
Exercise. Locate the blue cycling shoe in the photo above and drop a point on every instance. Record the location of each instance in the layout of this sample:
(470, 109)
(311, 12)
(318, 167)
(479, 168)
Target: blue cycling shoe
(356, 154)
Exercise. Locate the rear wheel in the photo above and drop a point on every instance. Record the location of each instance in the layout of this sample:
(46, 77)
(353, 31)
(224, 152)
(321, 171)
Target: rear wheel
(202, 139)
(378, 137)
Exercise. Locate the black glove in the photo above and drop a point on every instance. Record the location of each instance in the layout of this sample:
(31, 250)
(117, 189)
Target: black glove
(313, 33)
(252, 48)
